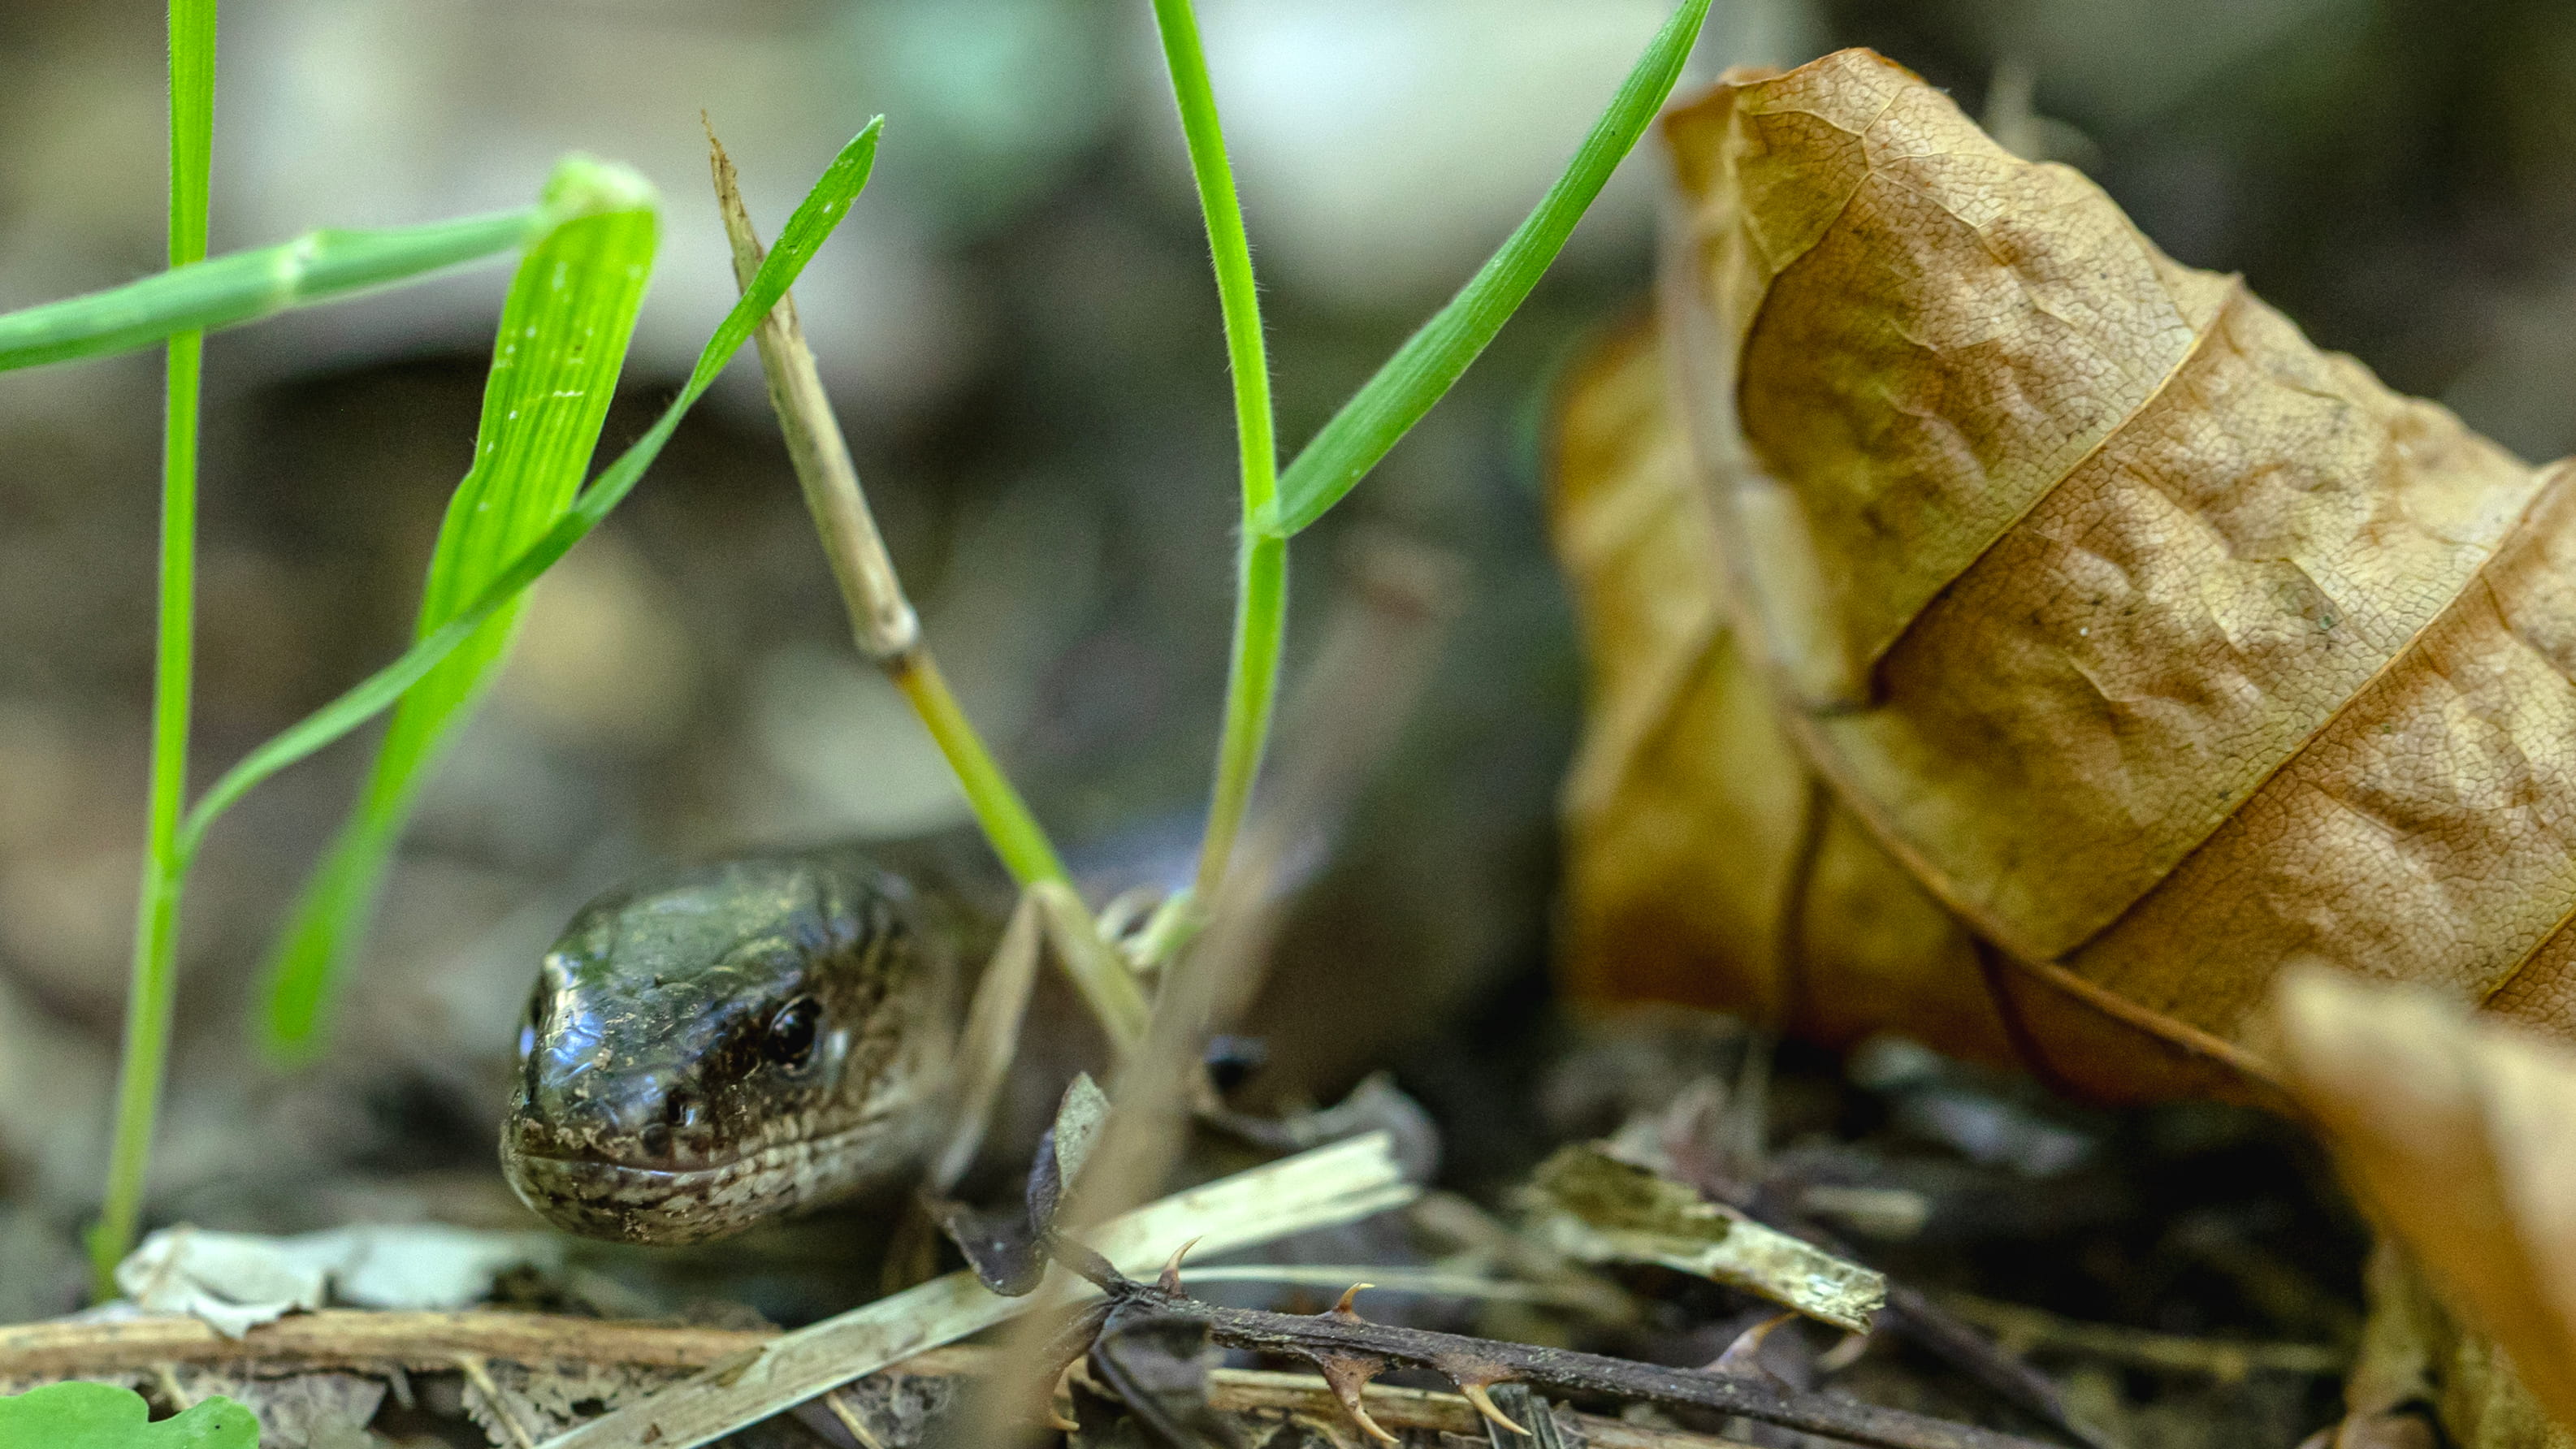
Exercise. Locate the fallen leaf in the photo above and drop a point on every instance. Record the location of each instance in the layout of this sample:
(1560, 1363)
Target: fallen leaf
(1687, 809)
(2461, 1135)
(234, 1281)
(1009, 1249)
(2004, 634)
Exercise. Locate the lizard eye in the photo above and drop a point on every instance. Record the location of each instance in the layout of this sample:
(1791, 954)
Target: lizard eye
(790, 1042)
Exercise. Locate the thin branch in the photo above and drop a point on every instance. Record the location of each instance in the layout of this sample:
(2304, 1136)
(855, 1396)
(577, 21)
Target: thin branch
(352, 1339)
(1253, 1391)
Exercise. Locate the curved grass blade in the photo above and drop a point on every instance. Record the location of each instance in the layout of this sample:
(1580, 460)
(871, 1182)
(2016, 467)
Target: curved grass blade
(806, 231)
(562, 341)
(1388, 406)
(1261, 564)
(319, 266)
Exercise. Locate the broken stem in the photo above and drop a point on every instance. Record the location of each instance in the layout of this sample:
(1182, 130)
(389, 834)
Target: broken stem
(885, 625)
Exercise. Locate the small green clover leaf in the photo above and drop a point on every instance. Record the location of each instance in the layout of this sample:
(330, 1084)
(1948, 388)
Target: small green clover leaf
(103, 1416)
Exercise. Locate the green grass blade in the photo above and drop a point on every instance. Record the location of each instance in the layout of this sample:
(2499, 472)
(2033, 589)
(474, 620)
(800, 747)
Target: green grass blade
(319, 266)
(152, 995)
(1228, 248)
(806, 231)
(1261, 566)
(562, 341)
(1388, 406)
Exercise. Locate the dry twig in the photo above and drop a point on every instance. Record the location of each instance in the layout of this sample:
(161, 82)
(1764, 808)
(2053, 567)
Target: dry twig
(338, 1339)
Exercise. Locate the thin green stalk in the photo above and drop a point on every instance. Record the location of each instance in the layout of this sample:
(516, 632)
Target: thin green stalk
(1015, 833)
(1251, 696)
(148, 1005)
(1107, 985)
(1261, 598)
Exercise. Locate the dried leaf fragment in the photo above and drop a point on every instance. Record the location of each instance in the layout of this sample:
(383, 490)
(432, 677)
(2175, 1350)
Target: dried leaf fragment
(2462, 1136)
(1605, 1210)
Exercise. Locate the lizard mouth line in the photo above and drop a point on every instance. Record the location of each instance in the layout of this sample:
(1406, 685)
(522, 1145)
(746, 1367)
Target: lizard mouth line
(673, 1203)
(640, 1170)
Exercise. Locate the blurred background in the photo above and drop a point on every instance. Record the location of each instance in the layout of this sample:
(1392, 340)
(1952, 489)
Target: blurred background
(1021, 334)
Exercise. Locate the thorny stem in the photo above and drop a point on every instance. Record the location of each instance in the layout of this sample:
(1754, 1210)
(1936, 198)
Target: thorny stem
(1261, 598)
(155, 976)
(1341, 1341)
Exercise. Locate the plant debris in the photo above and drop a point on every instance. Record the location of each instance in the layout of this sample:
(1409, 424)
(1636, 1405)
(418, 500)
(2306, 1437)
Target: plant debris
(1605, 1210)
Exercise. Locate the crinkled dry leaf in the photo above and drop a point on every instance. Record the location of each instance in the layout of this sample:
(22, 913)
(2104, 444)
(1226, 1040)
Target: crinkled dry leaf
(2141, 649)
(1701, 868)
(2462, 1136)
(1008, 1249)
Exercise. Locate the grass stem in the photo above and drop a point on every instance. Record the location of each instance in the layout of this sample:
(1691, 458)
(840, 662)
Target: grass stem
(1016, 835)
(1261, 600)
(1106, 983)
(156, 947)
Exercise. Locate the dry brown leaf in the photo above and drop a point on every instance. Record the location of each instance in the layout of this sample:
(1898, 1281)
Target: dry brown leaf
(2141, 648)
(2461, 1135)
